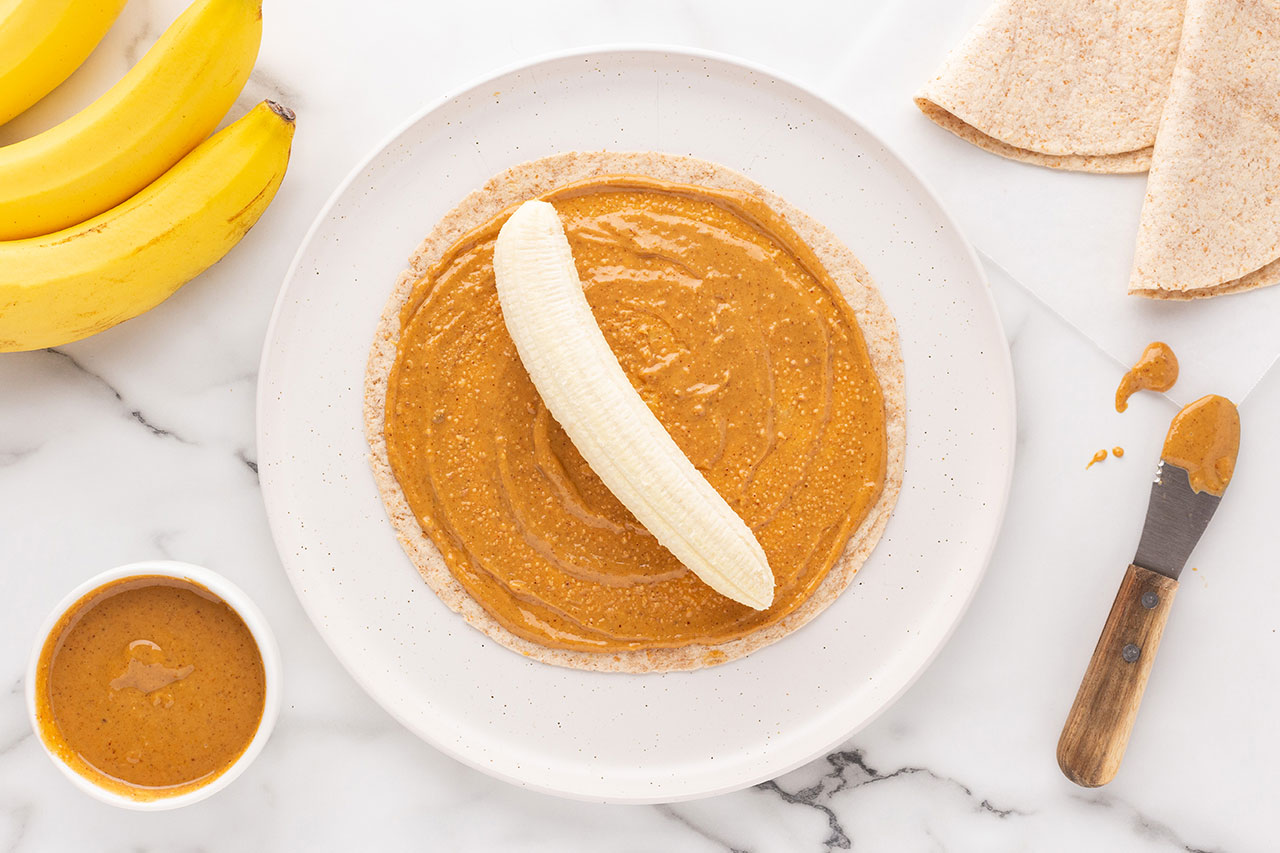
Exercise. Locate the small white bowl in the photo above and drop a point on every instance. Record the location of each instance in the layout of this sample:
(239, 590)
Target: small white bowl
(241, 604)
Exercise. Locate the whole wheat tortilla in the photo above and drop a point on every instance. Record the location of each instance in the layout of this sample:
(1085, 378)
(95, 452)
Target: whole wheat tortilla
(1211, 219)
(1068, 84)
(532, 179)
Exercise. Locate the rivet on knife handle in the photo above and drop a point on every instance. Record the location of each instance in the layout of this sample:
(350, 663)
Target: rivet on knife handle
(1097, 728)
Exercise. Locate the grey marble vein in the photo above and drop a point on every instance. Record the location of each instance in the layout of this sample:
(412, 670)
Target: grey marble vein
(135, 414)
(160, 542)
(143, 38)
(838, 839)
(1147, 826)
(263, 86)
(841, 761)
(154, 429)
(839, 779)
(13, 456)
(251, 464)
(13, 743)
(937, 842)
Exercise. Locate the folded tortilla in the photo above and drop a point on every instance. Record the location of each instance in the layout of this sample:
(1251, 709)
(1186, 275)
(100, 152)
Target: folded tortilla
(1069, 84)
(1211, 220)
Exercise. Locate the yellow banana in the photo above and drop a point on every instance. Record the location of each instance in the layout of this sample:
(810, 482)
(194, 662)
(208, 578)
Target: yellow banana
(164, 107)
(65, 286)
(42, 42)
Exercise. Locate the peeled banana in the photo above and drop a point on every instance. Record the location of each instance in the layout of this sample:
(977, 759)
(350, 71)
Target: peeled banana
(583, 386)
(164, 107)
(68, 285)
(42, 42)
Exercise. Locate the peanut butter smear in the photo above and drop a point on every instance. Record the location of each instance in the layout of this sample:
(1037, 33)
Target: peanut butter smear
(739, 342)
(1204, 439)
(150, 686)
(1157, 370)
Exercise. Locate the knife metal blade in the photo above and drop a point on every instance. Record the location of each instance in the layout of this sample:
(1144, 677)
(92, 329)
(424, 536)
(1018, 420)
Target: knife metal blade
(1176, 516)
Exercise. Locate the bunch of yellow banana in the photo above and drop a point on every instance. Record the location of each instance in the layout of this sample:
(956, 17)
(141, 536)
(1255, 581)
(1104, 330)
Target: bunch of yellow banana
(70, 284)
(105, 215)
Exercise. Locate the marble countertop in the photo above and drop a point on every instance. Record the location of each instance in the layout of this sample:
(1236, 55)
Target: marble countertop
(139, 443)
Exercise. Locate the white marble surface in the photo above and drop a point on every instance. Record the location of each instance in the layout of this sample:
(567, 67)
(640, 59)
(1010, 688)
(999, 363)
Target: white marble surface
(139, 443)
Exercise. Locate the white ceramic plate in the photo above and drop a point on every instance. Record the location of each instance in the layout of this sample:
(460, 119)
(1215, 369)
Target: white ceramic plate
(604, 736)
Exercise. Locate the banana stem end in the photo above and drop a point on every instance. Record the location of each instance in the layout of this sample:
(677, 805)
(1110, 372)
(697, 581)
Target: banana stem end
(282, 111)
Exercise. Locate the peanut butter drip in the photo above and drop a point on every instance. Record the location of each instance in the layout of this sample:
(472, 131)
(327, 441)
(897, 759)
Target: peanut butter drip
(1157, 370)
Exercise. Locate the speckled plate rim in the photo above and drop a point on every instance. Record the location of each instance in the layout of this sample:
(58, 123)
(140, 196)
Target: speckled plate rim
(1004, 425)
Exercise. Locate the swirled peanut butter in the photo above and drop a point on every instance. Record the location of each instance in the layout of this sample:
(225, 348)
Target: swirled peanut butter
(1156, 370)
(739, 342)
(1204, 439)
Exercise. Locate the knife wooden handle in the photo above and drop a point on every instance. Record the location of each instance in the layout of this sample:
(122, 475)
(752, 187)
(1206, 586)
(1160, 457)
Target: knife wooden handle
(1098, 726)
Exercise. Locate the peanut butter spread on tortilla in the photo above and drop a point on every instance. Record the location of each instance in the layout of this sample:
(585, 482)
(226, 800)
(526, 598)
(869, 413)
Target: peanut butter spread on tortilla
(1204, 439)
(1157, 370)
(739, 342)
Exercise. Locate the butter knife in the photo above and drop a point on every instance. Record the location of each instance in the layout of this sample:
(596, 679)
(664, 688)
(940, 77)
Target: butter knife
(1195, 466)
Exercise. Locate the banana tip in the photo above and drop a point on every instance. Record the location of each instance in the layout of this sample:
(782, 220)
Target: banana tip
(282, 111)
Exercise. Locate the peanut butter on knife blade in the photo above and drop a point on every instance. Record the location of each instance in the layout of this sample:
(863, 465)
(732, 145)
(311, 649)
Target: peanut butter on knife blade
(1204, 439)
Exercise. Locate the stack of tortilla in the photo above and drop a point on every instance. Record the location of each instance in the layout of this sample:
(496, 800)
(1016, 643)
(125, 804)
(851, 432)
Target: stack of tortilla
(1126, 85)
(1069, 84)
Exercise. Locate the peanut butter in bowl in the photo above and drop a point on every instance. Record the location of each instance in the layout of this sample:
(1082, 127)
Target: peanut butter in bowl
(154, 685)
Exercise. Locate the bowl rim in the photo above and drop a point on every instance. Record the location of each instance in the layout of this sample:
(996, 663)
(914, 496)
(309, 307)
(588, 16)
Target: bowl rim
(238, 601)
